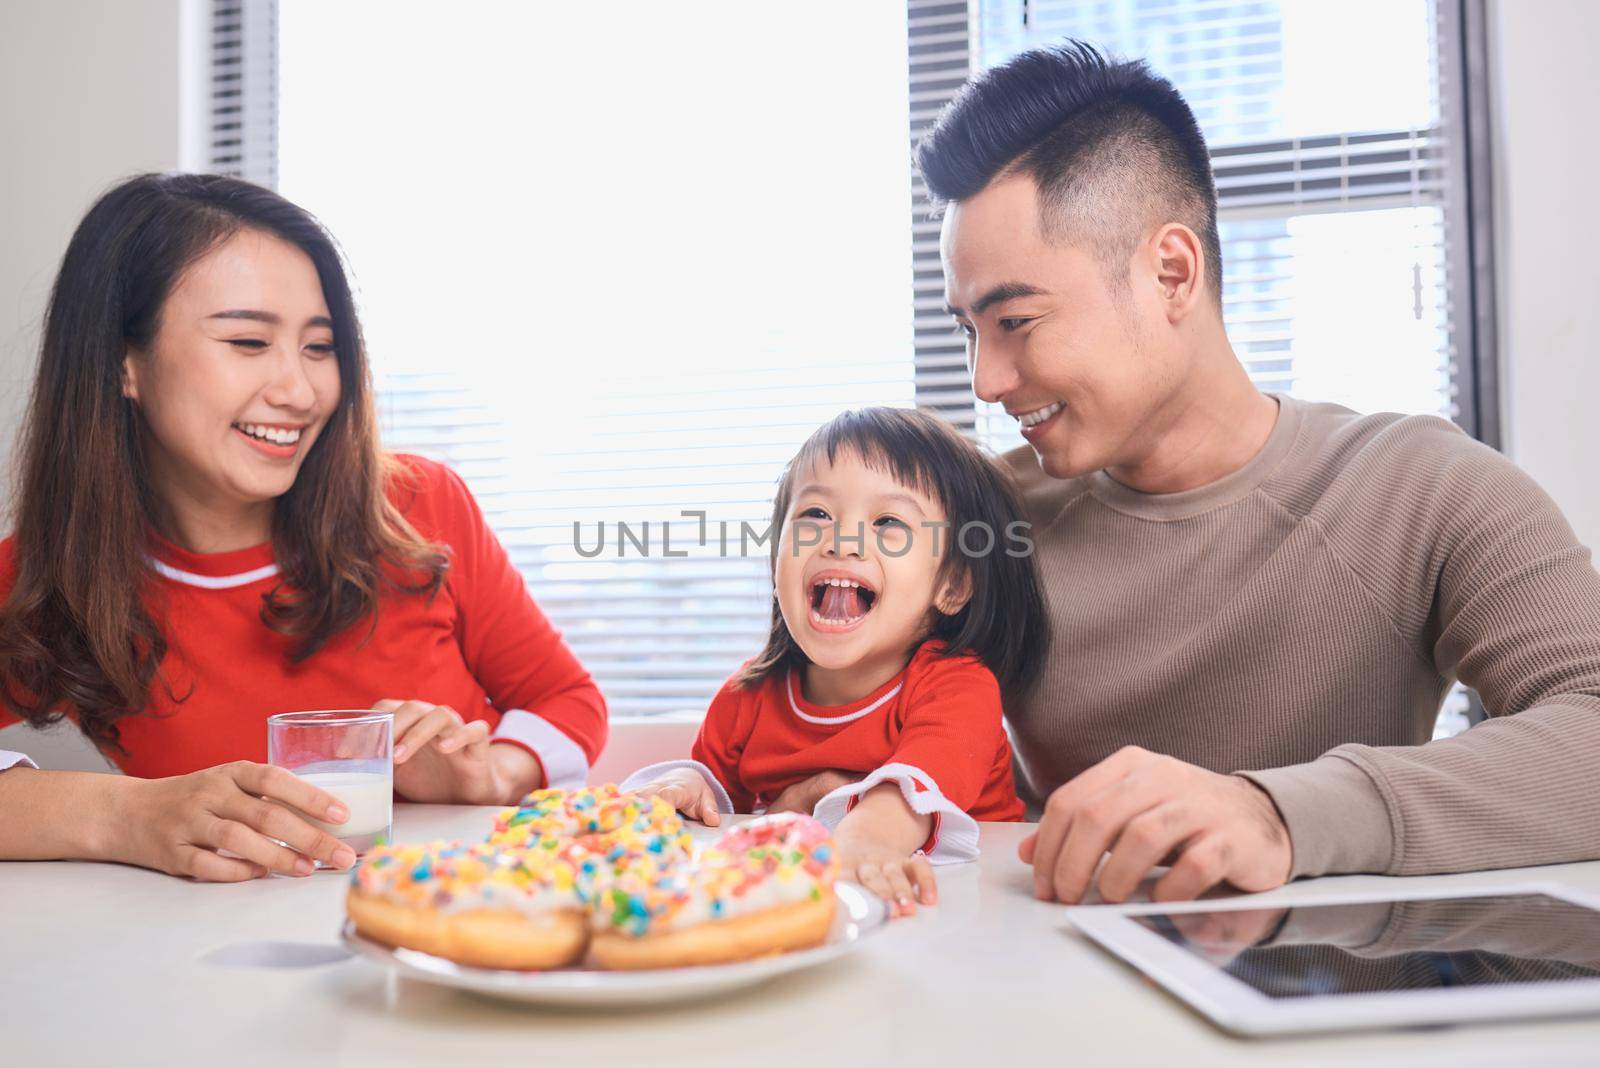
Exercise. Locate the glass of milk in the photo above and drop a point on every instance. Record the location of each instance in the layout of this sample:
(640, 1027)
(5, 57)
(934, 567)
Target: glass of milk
(349, 754)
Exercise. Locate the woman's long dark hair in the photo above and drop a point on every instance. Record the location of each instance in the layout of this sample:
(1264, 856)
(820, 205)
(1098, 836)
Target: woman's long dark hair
(1003, 622)
(77, 634)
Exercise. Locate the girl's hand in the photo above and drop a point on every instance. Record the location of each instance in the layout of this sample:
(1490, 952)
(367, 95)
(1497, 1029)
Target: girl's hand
(688, 792)
(878, 847)
(440, 759)
(903, 882)
(178, 825)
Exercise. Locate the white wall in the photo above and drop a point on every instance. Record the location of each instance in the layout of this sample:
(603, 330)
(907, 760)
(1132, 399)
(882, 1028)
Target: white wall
(89, 93)
(1545, 84)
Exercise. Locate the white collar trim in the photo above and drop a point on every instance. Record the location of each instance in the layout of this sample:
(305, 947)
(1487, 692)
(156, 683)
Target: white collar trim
(833, 721)
(214, 582)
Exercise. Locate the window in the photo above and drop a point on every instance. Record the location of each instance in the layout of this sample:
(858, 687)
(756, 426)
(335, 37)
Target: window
(610, 299)
(626, 300)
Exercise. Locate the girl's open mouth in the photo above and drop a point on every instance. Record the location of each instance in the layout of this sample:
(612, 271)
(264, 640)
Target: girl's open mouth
(840, 601)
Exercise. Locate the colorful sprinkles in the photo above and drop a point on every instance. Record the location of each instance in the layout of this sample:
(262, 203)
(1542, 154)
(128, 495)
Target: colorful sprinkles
(628, 860)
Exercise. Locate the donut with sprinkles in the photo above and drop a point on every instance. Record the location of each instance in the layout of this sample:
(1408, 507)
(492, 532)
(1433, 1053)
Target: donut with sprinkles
(604, 878)
(764, 887)
(477, 904)
(602, 819)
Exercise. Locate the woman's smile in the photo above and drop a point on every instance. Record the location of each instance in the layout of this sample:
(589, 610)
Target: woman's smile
(279, 441)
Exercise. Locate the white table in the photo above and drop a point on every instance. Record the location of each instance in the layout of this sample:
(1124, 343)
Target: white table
(111, 965)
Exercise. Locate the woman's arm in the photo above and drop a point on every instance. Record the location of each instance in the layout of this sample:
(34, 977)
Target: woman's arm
(175, 825)
(550, 705)
(55, 815)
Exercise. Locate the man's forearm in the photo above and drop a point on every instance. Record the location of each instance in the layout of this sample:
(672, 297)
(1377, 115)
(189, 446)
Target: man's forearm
(1514, 791)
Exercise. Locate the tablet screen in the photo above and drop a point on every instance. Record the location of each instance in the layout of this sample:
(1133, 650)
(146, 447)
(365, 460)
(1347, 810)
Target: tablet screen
(1391, 946)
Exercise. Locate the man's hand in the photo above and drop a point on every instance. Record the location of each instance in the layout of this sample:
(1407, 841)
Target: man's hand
(804, 795)
(1148, 810)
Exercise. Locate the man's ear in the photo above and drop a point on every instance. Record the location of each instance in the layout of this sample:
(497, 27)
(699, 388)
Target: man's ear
(955, 594)
(1181, 268)
(131, 360)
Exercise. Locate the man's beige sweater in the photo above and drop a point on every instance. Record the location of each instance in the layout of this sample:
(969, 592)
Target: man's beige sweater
(1300, 621)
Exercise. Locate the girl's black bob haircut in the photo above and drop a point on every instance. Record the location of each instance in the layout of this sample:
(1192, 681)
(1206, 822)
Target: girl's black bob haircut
(1003, 622)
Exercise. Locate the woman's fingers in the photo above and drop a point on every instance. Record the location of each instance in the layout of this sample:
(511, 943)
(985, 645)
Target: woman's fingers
(472, 737)
(258, 804)
(406, 714)
(279, 784)
(249, 845)
(423, 730)
(208, 867)
(279, 823)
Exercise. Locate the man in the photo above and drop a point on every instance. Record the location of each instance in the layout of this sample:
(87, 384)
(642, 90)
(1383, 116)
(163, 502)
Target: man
(1258, 603)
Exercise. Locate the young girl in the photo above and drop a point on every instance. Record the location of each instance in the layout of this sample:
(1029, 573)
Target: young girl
(905, 601)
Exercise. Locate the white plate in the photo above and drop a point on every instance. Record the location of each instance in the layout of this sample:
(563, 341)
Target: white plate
(859, 914)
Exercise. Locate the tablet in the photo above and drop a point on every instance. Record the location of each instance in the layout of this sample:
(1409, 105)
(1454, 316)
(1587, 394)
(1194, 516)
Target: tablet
(1347, 961)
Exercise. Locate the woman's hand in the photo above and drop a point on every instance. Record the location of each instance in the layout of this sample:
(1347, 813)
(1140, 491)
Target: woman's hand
(687, 791)
(878, 840)
(440, 759)
(178, 825)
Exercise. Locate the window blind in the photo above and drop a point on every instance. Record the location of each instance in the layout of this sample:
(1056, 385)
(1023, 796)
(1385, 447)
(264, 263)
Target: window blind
(1335, 203)
(241, 112)
(661, 606)
(939, 52)
(602, 315)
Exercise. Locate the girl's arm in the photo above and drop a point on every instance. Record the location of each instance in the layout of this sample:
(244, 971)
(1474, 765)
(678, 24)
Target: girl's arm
(879, 844)
(951, 740)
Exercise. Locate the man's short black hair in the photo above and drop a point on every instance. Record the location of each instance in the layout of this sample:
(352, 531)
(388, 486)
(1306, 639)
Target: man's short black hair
(1112, 147)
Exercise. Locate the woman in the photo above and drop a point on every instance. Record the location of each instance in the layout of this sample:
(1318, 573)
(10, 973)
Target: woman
(207, 533)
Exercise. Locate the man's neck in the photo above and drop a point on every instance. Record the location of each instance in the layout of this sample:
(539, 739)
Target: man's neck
(1216, 423)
